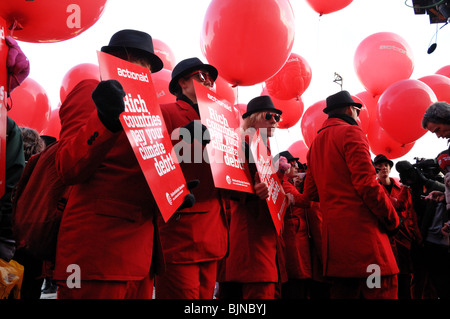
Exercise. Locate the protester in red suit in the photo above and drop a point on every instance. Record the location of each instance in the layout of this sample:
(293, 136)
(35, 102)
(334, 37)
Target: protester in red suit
(254, 267)
(357, 213)
(295, 234)
(107, 236)
(193, 239)
(408, 231)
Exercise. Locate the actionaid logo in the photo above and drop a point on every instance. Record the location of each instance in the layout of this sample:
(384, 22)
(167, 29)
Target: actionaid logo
(74, 19)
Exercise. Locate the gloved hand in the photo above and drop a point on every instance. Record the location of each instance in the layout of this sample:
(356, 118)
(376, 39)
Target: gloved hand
(189, 201)
(198, 131)
(444, 162)
(17, 65)
(108, 98)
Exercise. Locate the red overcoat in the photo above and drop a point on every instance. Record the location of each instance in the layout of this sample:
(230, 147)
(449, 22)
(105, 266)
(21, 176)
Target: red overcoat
(356, 209)
(107, 227)
(199, 233)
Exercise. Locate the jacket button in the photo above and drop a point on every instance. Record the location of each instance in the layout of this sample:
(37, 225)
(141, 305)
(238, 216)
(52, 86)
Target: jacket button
(89, 141)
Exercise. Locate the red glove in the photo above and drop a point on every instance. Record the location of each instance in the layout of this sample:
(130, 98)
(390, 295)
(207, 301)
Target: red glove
(17, 64)
(444, 162)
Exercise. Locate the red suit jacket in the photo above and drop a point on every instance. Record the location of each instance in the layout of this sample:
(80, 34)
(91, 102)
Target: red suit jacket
(356, 209)
(198, 233)
(107, 227)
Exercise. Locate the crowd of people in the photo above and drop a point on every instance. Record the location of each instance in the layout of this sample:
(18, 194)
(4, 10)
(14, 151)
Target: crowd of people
(350, 230)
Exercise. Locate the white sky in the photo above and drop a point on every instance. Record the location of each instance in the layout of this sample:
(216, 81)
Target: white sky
(328, 43)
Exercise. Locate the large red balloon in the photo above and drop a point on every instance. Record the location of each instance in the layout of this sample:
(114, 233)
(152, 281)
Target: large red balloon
(328, 6)
(440, 84)
(54, 125)
(161, 80)
(401, 108)
(50, 20)
(75, 75)
(248, 41)
(312, 121)
(165, 53)
(300, 150)
(445, 70)
(292, 110)
(381, 143)
(382, 59)
(292, 80)
(30, 105)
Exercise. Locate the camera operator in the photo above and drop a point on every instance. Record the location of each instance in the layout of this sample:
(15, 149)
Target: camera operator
(425, 181)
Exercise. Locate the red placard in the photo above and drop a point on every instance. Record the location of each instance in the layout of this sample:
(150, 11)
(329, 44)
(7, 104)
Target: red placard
(3, 96)
(144, 125)
(277, 201)
(226, 157)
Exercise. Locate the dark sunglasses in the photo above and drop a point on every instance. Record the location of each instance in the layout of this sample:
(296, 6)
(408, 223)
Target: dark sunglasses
(276, 117)
(203, 76)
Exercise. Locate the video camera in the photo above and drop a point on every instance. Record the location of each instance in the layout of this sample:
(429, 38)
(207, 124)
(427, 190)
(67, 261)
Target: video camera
(425, 172)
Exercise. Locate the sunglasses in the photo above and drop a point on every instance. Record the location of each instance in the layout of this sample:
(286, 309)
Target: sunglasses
(358, 110)
(276, 117)
(202, 76)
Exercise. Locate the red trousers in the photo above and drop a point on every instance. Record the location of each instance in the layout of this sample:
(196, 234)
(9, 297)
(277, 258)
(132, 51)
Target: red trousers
(356, 288)
(187, 281)
(103, 289)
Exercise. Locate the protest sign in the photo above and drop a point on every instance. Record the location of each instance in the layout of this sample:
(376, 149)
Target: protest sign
(277, 201)
(225, 154)
(144, 126)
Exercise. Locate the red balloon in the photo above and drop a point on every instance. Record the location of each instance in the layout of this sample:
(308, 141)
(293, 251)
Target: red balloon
(50, 20)
(224, 90)
(327, 6)
(77, 74)
(312, 121)
(30, 105)
(382, 59)
(370, 102)
(363, 118)
(292, 80)
(163, 51)
(381, 143)
(161, 80)
(300, 150)
(445, 70)
(248, 41)
(440, 84)
(292, 110)
(54, 125)
(401, 108)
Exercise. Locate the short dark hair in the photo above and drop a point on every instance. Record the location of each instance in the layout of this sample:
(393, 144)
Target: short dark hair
(438, 112)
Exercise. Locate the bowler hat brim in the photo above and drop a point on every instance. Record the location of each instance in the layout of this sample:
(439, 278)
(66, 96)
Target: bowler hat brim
(212, 71)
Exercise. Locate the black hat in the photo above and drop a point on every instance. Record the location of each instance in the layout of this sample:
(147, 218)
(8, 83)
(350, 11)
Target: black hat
(259, 104)
(380, 158)
(137, 40)
(287, 155)
(340, 99)
(187, 66)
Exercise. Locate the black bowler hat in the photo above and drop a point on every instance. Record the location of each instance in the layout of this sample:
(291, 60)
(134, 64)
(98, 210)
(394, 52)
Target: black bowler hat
(287, 155)
(186, 67)
(340, 99)
(380, 158)
(138, 40)
(259, 104)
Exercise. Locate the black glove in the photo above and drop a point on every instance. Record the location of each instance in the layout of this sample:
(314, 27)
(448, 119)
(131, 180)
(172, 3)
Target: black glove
(189, 201)
(108, 98)
(194, 128)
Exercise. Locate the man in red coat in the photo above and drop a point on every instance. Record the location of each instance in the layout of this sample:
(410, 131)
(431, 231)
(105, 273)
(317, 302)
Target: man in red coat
(105, 245)
(356, 210)
(194, 239)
